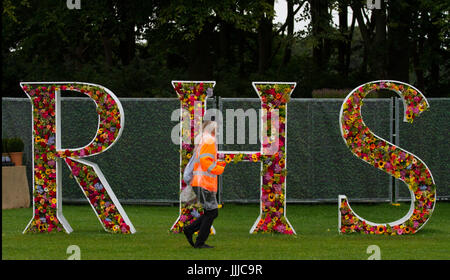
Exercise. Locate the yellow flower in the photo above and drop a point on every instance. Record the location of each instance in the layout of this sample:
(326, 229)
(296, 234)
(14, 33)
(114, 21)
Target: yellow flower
(255, 158)
(380, 229)
(227, 159)
(271, 197)
(54, 201)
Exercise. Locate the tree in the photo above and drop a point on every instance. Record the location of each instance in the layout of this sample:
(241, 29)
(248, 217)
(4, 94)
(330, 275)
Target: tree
(373, 31)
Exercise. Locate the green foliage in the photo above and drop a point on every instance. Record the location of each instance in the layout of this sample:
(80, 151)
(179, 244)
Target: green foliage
(330, 93)
(4, 145)
(135, 48)
(15, 145)
(342, 93)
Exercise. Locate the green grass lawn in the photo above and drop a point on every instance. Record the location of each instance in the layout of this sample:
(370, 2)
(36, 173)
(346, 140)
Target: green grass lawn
(316, 226)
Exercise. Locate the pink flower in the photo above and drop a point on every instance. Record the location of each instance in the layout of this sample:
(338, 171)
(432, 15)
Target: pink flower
(280, 228)
(276, 188)
(76, 170)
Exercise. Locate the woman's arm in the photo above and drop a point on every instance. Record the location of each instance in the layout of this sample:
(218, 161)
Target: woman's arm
(206, 156)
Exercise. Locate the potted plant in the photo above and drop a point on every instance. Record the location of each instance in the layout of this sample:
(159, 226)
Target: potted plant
(5, 156)
(15, 150)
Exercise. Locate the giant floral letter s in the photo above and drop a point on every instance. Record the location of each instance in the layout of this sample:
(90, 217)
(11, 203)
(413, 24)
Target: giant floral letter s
(385, 156)
(48, 156)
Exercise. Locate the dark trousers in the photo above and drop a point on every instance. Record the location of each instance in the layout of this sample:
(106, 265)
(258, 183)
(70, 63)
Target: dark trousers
(203, 223)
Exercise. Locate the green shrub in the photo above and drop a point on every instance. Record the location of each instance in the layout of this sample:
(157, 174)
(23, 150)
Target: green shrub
(342, 93)
(330, 93)
(15, 145)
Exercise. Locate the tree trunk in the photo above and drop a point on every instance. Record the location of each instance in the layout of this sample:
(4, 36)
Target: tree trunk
(379, 48)
(201, 55)
(418, 47)
(320, 20)
(265, 38)
(127, 36)
(434, 46)
(224, 52)
(342, 45)
(290, 32)
(107, 48)
(400, 20)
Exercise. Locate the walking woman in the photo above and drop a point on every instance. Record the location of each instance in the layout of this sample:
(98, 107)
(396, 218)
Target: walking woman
(204, 183)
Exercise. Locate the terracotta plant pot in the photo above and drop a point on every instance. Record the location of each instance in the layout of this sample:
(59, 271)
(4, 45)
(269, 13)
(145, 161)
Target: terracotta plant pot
(16, 158)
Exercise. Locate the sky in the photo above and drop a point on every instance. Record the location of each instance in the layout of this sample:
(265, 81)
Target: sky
(281, 14)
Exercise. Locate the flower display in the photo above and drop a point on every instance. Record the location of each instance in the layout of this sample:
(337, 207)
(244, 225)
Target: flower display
(273, 189)
(235, 158)
(389, 158)
(272, 220)
(95, 192)
(45, 200)
(274, 97)
(192, 96)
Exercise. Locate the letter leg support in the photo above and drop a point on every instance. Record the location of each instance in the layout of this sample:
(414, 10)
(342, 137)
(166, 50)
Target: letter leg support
(101, 197)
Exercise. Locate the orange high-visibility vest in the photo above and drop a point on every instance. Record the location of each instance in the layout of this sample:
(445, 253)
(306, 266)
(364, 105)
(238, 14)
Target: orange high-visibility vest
(206, 166)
